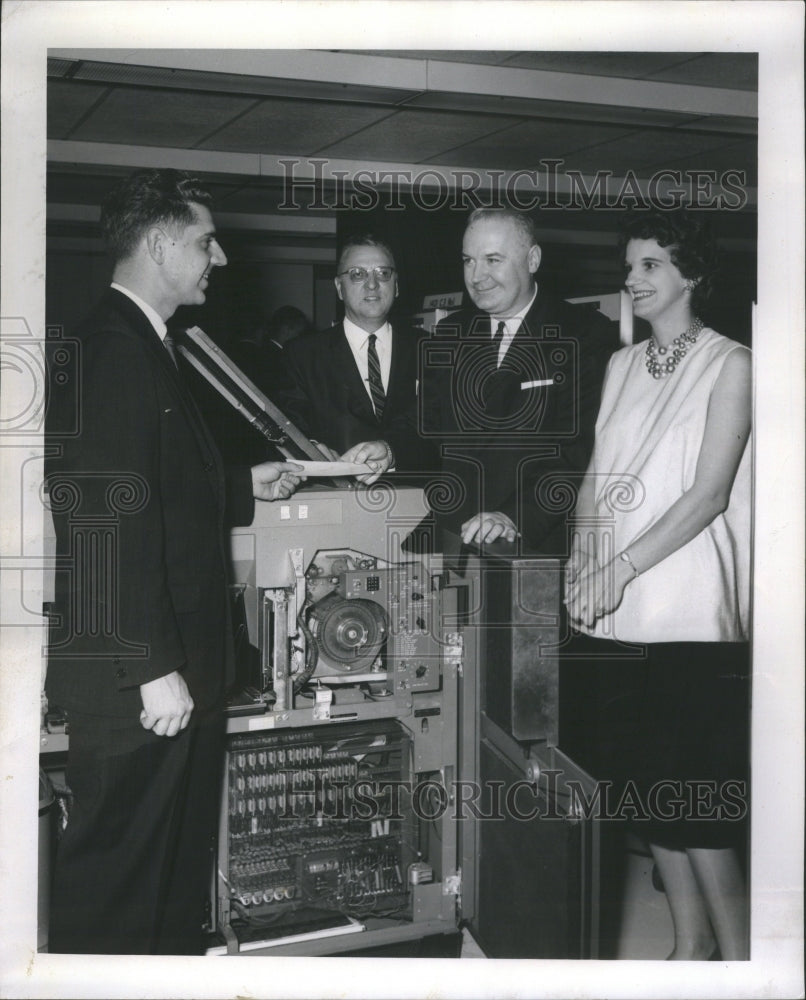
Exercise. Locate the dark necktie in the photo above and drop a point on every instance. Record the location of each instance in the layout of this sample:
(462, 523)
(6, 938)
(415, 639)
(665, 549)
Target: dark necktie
(497, 390)
(375, 380)
(170, 347)
(498, 336)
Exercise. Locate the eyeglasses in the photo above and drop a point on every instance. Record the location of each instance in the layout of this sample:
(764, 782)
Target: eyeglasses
(360, 274)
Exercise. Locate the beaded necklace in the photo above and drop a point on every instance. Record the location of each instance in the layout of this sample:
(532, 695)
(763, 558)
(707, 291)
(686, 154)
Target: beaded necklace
(659, 366)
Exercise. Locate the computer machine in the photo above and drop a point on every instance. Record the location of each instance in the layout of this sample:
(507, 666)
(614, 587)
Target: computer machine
(392, 768)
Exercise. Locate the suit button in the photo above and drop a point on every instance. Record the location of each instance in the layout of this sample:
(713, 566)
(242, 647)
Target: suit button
(120, 674)
(208, 466)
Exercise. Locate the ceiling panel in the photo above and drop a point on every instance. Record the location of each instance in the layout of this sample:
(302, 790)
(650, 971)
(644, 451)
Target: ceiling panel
(561, 110)
(642, 154)
(734, 70)
(67, 105)
(522, 146)
(293, 127)
(159, 117)
(738, 156)
(417, 136)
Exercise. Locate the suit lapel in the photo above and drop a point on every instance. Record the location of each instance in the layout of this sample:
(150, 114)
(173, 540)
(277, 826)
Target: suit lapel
(395, 367)
(524, 361)
(140, 325)
(533, 321)
(346, 371)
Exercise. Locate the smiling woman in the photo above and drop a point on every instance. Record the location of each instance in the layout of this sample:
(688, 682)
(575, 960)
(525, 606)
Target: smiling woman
(668, 493)
(669, 269)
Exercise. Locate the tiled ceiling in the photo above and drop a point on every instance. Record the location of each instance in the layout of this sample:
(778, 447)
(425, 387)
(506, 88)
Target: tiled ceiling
(301, 128)
(106, 117)
(157, 117)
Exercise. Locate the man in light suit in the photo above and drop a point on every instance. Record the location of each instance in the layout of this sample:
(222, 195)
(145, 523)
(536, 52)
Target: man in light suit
(140, 650)
(510, 389)
(353, 387)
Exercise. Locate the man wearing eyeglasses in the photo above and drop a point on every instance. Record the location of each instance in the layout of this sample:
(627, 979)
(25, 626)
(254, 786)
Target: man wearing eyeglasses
(353, 388)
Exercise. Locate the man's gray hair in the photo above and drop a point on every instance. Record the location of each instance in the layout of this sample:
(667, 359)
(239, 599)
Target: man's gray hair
(524, 223)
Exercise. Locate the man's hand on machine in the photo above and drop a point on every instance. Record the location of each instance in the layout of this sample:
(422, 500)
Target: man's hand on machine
(276, 480)
(487, 527)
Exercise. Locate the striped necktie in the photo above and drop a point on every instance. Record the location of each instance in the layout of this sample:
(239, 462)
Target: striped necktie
(375, 380)
(170, 347)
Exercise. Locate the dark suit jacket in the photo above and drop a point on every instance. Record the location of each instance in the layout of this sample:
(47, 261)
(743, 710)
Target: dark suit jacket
(139, 498)
(325, 397)
(506, 446)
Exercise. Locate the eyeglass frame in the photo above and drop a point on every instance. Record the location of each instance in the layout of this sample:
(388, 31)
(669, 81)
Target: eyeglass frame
(367, 271)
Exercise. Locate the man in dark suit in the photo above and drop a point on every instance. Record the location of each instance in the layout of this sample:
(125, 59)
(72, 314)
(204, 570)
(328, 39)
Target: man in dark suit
(140, 651)
(510, 389)
(353, 387)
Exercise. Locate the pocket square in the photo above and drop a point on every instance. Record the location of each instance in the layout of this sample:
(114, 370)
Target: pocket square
(536, 383)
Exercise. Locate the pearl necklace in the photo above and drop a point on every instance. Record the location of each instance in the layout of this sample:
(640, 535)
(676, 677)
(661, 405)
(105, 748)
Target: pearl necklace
(659, 366)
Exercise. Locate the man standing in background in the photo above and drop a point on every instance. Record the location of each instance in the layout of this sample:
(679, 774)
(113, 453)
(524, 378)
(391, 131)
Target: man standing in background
(354, 387)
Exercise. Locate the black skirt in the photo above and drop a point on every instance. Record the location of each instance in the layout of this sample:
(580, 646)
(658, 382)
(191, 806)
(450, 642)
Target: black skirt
(666, 726)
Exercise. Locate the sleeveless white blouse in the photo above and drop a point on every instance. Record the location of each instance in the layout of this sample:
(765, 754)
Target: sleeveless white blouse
(648, 437)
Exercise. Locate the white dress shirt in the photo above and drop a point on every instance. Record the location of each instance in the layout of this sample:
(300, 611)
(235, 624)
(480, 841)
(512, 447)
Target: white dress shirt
(152, 315)
(511, 327)
(358, 340)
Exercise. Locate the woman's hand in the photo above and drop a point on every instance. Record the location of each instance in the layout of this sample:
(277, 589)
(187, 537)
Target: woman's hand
(575, 566)
(595, 591)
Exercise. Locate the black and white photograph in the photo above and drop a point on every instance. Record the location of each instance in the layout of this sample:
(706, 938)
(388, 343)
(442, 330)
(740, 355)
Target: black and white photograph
(402, 512)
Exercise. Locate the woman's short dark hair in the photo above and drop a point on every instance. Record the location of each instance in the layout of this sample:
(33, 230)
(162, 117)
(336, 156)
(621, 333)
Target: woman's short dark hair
(687, 236)
(147, 198)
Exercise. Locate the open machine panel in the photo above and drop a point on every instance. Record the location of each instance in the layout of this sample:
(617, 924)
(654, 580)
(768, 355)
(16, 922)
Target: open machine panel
(335, 814)
(394, 771)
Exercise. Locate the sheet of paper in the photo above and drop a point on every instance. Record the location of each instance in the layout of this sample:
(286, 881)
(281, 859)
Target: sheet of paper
(333, 468)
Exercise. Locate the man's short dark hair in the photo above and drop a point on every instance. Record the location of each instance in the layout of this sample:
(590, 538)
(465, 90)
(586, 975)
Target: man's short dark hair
(524, 223)
(148, 198)
(365, 240)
